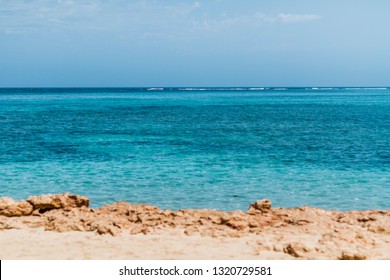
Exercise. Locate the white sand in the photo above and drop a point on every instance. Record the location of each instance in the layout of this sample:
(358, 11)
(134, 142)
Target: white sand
(39, 244)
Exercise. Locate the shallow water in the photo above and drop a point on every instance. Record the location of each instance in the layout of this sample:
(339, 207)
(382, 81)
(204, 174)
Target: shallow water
(199, 148)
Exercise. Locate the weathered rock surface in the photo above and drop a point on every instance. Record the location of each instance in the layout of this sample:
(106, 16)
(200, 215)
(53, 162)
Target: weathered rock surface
(57, 201)
(295, 249)
(299, 233)
(261, 205)
(12, 208)
(349, 256)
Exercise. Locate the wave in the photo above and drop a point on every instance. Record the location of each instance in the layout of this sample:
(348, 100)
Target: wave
(366, 88)
(155, 89)
(346, 88)
(190, 89)
(321, 88)
(213, 89)
(257, 88)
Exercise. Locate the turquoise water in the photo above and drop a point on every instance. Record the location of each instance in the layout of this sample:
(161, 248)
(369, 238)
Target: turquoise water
(199, 148)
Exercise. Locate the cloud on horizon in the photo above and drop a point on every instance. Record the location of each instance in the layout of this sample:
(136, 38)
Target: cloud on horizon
(128, 18)
(297, 17)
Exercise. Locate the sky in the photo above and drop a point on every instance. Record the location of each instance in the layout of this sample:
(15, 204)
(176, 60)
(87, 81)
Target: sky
(139, 43)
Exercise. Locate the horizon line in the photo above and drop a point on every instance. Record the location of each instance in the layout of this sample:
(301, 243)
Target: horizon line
(186, 87)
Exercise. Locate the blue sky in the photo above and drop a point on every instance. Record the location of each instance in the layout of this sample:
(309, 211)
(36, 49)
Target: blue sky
(74, 43)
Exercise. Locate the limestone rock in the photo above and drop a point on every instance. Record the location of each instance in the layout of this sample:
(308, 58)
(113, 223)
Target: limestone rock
(237, 223)
(261, 205)
(352, 256)
(102, 229)
(304, 232)
(57, 201)
(5, 200)
(295, 249)
(12, 208)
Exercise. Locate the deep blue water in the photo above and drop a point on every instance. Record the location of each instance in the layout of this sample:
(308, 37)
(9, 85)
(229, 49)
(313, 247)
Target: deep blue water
(199, 148)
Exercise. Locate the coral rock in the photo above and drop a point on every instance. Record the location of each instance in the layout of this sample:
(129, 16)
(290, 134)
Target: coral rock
(13, 208)
(262, 205)
(351, 256)
(295, 249)
(237, 223)
(57, 201)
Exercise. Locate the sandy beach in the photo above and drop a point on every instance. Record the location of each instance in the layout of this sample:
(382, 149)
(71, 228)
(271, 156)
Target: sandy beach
(64, 227)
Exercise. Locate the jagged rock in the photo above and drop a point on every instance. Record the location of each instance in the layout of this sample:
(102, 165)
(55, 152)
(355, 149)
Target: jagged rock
(5, 200)
(351, 256)
(102, 229)
(296, 222)
(139, 230)
(57, 201)
(12, 208)
(237, 223)
(304, 233)
(261, 205)
(295, 249)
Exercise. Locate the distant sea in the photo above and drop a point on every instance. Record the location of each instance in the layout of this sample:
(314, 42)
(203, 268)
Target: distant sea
(217, 148)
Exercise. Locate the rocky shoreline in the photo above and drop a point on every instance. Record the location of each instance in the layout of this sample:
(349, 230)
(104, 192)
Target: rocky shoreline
(269, 233)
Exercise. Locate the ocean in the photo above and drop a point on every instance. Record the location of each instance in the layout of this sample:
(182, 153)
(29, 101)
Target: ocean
(216, 148)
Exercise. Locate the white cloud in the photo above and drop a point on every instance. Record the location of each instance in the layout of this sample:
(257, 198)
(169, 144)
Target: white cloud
(43, 15)
(255, 20)
(126, 18)
(297, 17)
